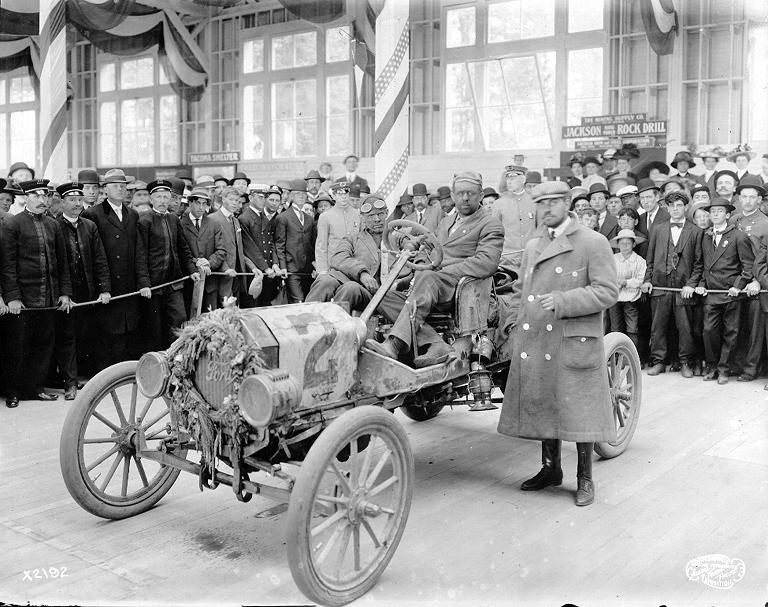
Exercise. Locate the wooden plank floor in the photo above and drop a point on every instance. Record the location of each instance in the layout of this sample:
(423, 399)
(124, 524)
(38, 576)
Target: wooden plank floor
(694, 482)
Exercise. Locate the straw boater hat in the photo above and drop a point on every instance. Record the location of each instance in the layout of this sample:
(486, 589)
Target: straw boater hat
(626, 233)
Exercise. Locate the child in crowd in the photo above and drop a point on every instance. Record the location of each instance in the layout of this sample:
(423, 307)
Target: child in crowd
(631, 271)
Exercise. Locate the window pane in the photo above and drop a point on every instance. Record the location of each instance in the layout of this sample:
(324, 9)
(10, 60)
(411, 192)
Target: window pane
(253, 121)
(518, 19)
(585, 87)
(253, 56)
(337, 44)
(504, 21)
(137, 131)
(306, 137)
(107, 134)
(305, 46)
(638, 60)
(537, 19)
(282, 138)
(22, 137)
(21, 91)
(135, 73)
(585, 15)
(282, 52)
(294, 127)
(459, 129)
(169, 129)
(106, 77)
(337, 108)
(282, 100)
(458, 92)
(306, 99)
(3, 139)
(460, 29)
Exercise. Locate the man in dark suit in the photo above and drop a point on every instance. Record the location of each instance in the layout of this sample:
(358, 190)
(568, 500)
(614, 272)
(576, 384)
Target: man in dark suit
(728, 260)
(260, 245)
(295, 243)
(472, 241)
(648, 194)
(673, 260)
(34, 274)
(423, 213)
(118, 229)
(164, 257)
(233, 237)
(89, 274)
(607, 224)
(351, 176)
(206, 244)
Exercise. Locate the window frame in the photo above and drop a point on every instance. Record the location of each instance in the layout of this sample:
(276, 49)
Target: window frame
(8, 108)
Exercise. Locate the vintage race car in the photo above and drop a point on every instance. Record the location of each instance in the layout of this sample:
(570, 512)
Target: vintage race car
(287, 402)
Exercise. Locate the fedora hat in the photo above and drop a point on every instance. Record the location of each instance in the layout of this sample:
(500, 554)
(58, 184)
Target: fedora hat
(720, 202)
(404, 199)
(683, 156)
(298, 185)
(598, 187)
(490, 192)
(18, 166)
(550, 189)
(314, 175)
(115, 176)
(646, 184)
(626, 233)
(443, 192)
(240, 175)
(751, 181)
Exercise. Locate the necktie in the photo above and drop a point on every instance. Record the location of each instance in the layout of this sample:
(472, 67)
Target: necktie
(197, 223)
(301, 218)
(551, 233)
(674, 224)
(421, 217)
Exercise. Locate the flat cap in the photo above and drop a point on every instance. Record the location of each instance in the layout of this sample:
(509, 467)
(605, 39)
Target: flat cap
(470, 176)
(627, 189)
(34, 185)
(550, 189)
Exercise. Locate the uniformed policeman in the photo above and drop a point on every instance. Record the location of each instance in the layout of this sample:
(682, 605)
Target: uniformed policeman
(516, 211)
(34, 275)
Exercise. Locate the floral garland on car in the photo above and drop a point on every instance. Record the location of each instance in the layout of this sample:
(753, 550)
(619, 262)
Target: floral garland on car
(218, 333)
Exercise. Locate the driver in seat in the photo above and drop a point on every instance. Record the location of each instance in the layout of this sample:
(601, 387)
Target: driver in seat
(472, 241)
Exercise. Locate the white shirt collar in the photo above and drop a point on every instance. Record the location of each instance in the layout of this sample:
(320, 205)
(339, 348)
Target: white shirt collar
(745, 214)
(118, 209)
(226, 213)
(193, 218)
(254, 209)
(72, 220)
(562, 227)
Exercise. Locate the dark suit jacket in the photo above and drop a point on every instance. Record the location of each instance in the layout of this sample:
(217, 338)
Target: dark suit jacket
(206, 243)
(689, 263)
(662, 215)
(730, 265)
(92, 255)
(232, 239)
(760, 272)
(153, 250)
(432, 218)
(259, 245)
(294, 242)
(23, 276)
(610, 226)
(474, 247)
(121, 244)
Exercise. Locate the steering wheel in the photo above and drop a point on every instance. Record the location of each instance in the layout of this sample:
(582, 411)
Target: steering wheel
(432, 246)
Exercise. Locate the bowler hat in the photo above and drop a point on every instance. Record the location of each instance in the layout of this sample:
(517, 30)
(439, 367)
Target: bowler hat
(217, 178)
(719, 174)
(419, 189)
(532, 177)
(683, 156)
(646, 184)
(115, 176)
(443, 192)
(314, 175)
(751, 181)
(626, 233)
(240, 175)
(177, 185)
(298, 185)
(598, 187)
(88, 176)
(18, 166)
(159, 184)
(183, 174)
(550, 189)
(490, 192)
(71, 187)
(592, 160)
(720, 202)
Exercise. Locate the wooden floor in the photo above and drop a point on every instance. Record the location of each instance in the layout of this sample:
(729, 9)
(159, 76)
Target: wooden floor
(694, 482)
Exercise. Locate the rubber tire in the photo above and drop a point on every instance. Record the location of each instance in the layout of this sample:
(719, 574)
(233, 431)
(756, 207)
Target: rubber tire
(421, 413)
(305, 488)
(69, 450)
(613, 342)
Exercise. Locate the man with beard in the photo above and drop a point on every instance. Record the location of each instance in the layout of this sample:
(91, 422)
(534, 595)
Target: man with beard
(89, 275)
(557, 388)
(34, 274)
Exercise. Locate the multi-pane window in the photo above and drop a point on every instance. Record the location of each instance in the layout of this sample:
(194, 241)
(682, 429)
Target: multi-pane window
(254, 127)
(585, 86)
(18, 123)
(337, 104)
(138, 116)
(585, 15)
(253, 56)
(337, 41)
(294, 118)
(294, 50)
(520, 20)
(460, 27)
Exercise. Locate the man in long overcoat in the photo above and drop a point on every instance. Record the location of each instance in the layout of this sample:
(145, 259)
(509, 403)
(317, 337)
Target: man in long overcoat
(558, 383)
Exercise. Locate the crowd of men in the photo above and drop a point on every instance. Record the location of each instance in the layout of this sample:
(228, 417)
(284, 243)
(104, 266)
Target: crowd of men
(690, 256)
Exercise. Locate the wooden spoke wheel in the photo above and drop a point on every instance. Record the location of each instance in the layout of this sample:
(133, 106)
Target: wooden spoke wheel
(625, 385)
(346, 515)
(98, 450)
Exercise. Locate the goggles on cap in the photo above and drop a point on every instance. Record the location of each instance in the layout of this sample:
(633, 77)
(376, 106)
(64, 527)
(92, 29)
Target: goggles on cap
(367, 207)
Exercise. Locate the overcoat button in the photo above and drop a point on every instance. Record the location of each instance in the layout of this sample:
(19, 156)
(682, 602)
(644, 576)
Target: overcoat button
(117, 235)
(574, 274)
(583, 339)
(531, 298)
(523, 355)
(558, 270)
(547, 356)
(549, 327)
(526, 326)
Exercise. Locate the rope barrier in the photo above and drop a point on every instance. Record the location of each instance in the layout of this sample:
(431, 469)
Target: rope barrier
(678, 290)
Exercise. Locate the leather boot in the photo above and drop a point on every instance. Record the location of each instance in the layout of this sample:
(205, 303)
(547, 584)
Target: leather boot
(551, 473)
(585, 493)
